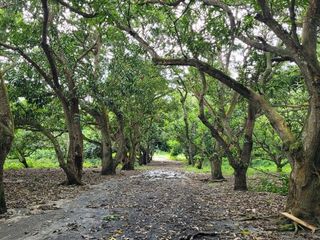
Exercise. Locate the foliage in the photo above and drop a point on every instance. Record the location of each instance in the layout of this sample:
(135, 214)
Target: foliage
(269, 184)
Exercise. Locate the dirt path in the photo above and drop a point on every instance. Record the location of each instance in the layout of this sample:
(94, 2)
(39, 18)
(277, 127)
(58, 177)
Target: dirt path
(161, 203)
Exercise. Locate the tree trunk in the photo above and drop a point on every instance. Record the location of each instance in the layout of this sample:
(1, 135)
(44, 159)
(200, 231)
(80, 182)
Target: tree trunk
(240, 179)
(215, 164)
(144, 156)
(108, 164)
(129, 161)
(134, 142)
(75, 150)
(121, 154)
(304, 198)
(304, 186)
(199, 163)
(151, 152)
(56, 145)
(6, 137)
(22, 159)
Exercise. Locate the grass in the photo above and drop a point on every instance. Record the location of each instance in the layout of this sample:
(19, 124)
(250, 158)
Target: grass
(261, 168)
(45, 163)
(257, 166)
(264, 184)
(264, 166)
(42, 161)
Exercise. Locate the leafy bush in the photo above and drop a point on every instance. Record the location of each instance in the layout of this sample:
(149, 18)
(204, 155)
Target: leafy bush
(92, 151)
(279, 185)
(175, 147)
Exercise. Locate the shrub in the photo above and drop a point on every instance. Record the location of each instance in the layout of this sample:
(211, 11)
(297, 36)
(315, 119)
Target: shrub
(279, 185)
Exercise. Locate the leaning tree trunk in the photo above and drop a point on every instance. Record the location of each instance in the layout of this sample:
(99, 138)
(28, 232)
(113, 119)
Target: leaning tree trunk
(56, 145)
(6, 137)
(22, 159)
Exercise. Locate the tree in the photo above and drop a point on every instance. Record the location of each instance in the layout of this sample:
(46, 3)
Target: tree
(25, 144)
(6, 136)
(58, 68)
(302, 152)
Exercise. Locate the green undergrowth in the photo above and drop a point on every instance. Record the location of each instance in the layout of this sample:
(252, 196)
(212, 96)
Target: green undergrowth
(263, 172)
(45, 163)
(278, 185)
(261, 166)
(179, 157)
(265, 175)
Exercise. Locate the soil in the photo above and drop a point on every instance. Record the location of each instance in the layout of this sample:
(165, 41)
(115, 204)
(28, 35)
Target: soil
(162, 202)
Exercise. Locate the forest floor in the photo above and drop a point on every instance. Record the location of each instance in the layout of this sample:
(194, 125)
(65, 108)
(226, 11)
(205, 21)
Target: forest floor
(160, 202)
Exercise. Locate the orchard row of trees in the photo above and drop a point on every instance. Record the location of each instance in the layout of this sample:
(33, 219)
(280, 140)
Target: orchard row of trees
(242, 66)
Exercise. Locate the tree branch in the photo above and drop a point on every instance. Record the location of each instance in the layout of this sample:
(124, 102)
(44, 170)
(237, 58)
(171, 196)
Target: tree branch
(309, 32)
(267, 18)
(214, 132)
(293, 20)
(29, 60)
(45, 46)
(163, 2)
(74, 9)
(263, 45)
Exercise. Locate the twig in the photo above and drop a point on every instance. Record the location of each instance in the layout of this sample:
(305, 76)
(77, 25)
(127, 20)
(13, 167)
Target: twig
(267, 173)
(253, 218)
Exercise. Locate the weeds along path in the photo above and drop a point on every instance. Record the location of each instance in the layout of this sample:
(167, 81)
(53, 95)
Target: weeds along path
(163, 202)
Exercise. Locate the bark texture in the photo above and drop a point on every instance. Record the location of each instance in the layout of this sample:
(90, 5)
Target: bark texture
(108, 163)
(6, 137)
(215, 164)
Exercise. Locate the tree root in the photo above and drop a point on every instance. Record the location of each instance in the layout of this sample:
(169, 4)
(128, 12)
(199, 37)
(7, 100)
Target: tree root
(253, 218)
(209, 180)
(199, 235)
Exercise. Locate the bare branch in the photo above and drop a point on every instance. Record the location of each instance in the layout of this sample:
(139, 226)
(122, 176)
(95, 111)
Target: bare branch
(84, 54)
(74, 9)
(141, 41)
(263, 45)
